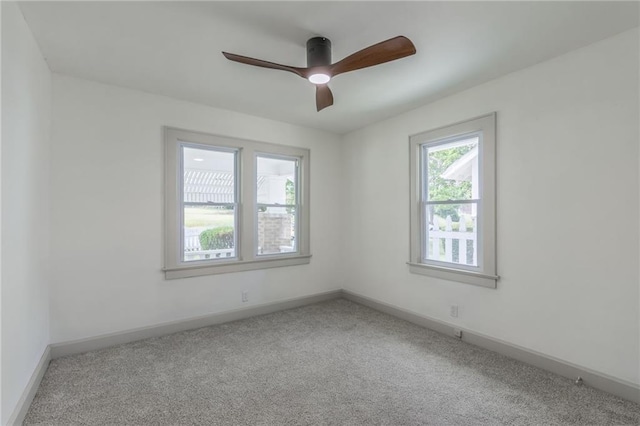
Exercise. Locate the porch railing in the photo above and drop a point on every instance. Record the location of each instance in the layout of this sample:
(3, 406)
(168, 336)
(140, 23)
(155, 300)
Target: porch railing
(453, 246)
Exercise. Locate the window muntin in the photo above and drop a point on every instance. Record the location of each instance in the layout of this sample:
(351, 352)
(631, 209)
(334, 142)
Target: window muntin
(453, 202)
(209, 203)
(276, 204)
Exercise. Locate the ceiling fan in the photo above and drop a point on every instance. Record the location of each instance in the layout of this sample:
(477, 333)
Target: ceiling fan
(320, 70)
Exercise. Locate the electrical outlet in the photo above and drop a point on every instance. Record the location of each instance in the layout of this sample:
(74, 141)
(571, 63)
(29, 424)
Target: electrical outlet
(453, 311)
(457, 333)
(245, 296)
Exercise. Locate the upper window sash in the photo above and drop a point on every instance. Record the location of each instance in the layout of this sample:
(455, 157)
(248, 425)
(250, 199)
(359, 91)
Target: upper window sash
(425, 147)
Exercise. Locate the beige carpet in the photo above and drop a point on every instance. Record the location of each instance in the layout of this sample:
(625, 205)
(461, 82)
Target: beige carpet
(333, 363)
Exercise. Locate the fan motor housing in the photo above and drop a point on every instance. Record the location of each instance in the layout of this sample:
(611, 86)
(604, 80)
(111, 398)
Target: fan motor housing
(318, 52)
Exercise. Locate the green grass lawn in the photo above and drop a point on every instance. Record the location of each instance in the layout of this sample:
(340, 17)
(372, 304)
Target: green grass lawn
(211, 217)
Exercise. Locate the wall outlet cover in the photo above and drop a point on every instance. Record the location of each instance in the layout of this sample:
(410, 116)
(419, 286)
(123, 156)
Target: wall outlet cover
(453, 311)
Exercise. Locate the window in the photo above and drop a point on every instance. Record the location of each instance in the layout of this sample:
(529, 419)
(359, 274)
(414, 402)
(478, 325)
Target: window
(277, 188)
(209, 203)
(453, 202)
(233, 205)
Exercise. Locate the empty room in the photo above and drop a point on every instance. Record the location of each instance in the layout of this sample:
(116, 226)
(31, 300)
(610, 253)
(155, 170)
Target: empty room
(320, 213)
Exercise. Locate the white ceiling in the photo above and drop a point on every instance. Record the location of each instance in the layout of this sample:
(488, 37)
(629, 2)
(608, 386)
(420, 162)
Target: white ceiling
(173, 49)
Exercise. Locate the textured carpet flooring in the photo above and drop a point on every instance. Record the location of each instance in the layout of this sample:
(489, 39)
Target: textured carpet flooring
(333, 363)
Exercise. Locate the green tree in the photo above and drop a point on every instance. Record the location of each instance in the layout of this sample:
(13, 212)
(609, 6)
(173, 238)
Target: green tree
(290, 195)
(441, 189)
(290, 192)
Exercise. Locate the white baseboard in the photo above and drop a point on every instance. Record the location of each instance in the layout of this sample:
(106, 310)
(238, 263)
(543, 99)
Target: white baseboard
(20, 411)
(106, 340)
(618, 387)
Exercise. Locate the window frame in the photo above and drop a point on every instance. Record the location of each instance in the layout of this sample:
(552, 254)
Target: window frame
(246, 201)
(485, 273)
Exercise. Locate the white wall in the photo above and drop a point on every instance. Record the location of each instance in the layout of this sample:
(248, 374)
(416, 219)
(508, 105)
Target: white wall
(567, 210)
(107, 203)
(26, 115)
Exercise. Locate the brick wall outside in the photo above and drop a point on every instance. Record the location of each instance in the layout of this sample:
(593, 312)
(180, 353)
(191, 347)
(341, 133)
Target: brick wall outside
(274, 230)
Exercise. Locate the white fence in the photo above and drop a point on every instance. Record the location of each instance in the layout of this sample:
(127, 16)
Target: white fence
(445, 253)
(208, 254)
(192, 239)
(193, 250)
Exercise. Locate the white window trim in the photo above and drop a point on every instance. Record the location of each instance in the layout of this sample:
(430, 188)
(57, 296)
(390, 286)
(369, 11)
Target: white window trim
(246, 258)
(486, 273)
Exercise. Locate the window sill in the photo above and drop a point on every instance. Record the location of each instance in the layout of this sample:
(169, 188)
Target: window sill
(234, 266)
(466, 277)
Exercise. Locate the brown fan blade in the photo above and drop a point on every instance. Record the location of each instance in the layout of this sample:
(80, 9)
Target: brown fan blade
(390, 50)
(302, 72)
(324, 97)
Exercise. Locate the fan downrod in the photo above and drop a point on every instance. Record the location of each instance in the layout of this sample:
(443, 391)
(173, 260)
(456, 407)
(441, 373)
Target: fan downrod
(318, 52)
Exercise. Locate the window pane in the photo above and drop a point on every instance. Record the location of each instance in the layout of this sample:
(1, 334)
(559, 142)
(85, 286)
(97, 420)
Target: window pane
(452, 170)
(276, 226)
(452, 233)
(276, 230)
(209, 232)
(209, 176)
(276, 181)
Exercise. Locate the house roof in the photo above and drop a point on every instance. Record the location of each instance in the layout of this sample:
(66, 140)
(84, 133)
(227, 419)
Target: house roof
(202, 186)
(461, 169)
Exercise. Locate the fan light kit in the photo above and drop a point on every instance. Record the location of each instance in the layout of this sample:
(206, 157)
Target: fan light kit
(320, 70)
(319, 78)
